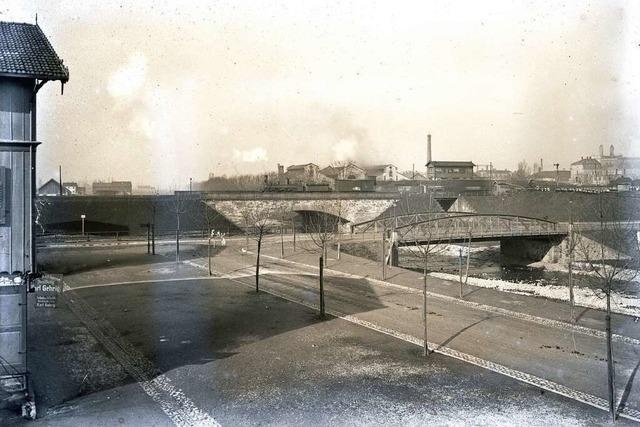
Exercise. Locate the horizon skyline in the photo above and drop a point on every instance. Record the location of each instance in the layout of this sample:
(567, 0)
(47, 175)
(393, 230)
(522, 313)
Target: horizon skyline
(237, 89)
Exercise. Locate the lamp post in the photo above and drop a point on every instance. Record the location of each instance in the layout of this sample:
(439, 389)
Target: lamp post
(82, 217)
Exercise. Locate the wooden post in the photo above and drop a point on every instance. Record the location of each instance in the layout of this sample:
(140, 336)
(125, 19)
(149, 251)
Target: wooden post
(148, 238)
(293, 227)
(321, 263)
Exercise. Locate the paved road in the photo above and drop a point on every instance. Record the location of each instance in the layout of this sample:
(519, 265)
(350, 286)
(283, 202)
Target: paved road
(544, 351)
(135, 314)
(243, 359)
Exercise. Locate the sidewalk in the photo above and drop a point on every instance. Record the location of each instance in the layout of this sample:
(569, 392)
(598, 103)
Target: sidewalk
(540, 353)
(624, 325)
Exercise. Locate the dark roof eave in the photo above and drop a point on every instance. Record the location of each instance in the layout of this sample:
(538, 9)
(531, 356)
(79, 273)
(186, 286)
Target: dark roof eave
(62, 79)
(452, 162)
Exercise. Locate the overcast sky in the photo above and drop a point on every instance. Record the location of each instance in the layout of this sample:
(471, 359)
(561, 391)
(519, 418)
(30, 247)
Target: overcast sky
(162, 91)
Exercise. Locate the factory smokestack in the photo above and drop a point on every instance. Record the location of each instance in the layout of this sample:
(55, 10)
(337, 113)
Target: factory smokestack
(601, 151)
(428, 148)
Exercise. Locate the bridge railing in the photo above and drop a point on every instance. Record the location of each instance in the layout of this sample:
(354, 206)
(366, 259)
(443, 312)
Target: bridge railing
(461, 227)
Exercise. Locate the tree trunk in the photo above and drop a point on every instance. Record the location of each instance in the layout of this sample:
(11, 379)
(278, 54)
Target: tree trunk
(460, 269)
(338, 241)
(571, 296)
(466, 274)
(324, 252)
(209, 254)
(610, 367)
(293, 227)
(384, 268)
(258, 265)
(424, 307)
(177, 246)
(178, 239)
(282, 239)
(321, 276)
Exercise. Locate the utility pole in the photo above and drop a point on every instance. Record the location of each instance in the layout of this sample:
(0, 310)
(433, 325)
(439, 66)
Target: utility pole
(60, 177)
(190, 183)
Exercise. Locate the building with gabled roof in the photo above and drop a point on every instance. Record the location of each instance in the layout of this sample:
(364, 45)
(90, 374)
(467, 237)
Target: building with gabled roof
(345, 172)
(450, 170)
(26, 52)
(386, 172)
(53, 188)
(587, 171)
(27, 62)
(308, 173)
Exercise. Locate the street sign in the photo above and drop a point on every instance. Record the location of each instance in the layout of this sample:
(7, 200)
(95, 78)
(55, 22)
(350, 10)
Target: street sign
(46, 292)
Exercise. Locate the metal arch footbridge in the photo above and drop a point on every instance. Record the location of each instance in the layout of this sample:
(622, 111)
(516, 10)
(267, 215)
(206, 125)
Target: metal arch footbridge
(455, 227)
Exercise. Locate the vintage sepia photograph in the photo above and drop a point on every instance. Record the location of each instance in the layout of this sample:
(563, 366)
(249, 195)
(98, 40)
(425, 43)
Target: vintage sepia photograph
(319, 213)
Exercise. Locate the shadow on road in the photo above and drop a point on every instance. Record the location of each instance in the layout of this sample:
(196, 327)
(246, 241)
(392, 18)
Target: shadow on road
(627, 389)
(452, 337)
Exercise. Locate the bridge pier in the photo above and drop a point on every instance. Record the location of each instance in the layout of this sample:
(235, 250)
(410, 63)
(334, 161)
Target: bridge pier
(526, 250)
(395, 258)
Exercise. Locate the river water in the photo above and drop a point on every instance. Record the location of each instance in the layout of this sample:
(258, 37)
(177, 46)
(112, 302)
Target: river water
(485, 262)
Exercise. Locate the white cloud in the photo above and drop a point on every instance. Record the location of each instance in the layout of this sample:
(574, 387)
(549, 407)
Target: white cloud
(127, 81)
(250, 156)
(345, 149)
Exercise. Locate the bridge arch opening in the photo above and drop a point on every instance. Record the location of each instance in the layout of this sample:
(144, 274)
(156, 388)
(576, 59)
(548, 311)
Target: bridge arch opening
(310, 220)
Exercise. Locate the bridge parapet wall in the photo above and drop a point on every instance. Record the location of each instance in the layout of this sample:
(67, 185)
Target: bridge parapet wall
(349, 210)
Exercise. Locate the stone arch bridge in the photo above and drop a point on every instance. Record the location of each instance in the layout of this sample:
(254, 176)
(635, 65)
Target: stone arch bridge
(348, 207)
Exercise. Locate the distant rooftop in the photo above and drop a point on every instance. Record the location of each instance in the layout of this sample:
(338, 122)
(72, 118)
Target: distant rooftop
(589, 161)
(26, 52)
(295, 167)
(450, 164)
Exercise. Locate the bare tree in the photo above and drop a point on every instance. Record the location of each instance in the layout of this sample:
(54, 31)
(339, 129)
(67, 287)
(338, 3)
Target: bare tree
(523, 170)
(210, 215)
(572, 243)
(611, 257)
(424, 246)
(324, 226)
(260, 219)
(179, 209)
